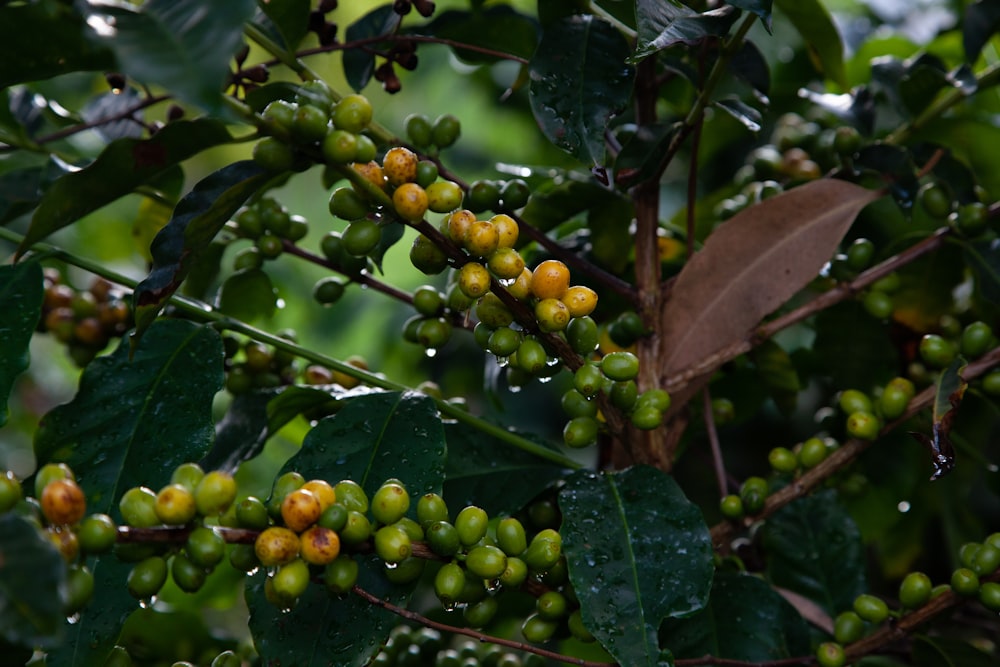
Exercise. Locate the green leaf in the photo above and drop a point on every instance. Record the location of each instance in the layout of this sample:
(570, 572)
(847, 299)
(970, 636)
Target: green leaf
(948, 392)
(20, 191)
(290, 17)
(642, 156)
(240, 435)
(21, 293)
(248, 295)
(983, 259)
(562, 199)
(864, 359)
(196, 220)
(324, 630)
(579, 80)
(610, 240)
(121, 167)
(294, 400)
(123, 426)
(374, 437)
(637, 549)
(391, 234)
(750, 65)
(761, 8)
(182, 45)
(359, 64)
(664, 24)
(749, 117)
(814, 23)
(482, 471)
(815, 549)
(499, 28)
(32, 582)
(744, 620)
(44, 40)
(981, 21)
(948, 652)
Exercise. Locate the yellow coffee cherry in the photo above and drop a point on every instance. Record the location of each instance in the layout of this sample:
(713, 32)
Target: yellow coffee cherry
(550, 279)
(552, 315)
(410, 201)
(300, 509)
(276, 545)
(400, 166)
(580, 300)
(323, 491)
(473, 280)
(319, 545)
(372, 172)
(63, 502)
(444, 196)
(458, 224)
(506, 263)
(521, 288)
(507, 229)
(481, 239)
(175, 505)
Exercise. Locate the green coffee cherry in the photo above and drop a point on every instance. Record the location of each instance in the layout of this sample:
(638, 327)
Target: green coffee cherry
(965, 582)
(442, 538)
(431, 508)
(471, 524)
(871, 608)
(486, 562)
(852, 400)
(536, 629)
(915, 590)
(620, 366)
(356, 530)
(147, 577)
(551, 605)
(848, 627)
(390, 503)
(542, 553)
(392, 544)
(582, 335)
(731, 507)
(205, 547)
(511, 537)
(479, 615)
(812, 452)
(989, 595)
(588, 380)
(188, 576)
(97, 534)
(341, 574)
(783, 460)
(138, 507)
(753, 493)
(350, 494)
(830, 654)
(515, 574)
(449, 582)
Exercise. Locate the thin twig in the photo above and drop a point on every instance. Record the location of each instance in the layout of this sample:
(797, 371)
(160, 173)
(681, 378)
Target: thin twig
(713, 441)
(396, 37)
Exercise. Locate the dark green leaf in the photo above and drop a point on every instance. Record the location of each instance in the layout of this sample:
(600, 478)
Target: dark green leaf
(205, 270)
(812, 20)
(258, 98)
(248, 295)
(41, 41)
(182, 45)
(484, 472)
(123, 425)
(499, 28)
(290, 17)
(637, 549)
(983, 259)
(863, 359)
(391, 234)
(109, 105)
(609, 221)
(948, 652)
(749, 64)
(241, 433)
(21, 292)
(579, 80)
(642, 156)
(745, 620)
(89, 640)
(20, 191)
(121, 167)
(325, 630)
(664, 24)
(295, 400)
(815, 550)
(196, 220)
(749, 117)
(32, 579)
(375, 437)
(761, 8)
(981, 21)
(561, 200)
(359, 64)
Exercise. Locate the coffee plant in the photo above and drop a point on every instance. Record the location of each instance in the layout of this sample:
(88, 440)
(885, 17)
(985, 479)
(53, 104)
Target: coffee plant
(592, 332)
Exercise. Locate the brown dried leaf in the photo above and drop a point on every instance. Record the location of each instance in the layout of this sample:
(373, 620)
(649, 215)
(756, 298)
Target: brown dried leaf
(753, 264)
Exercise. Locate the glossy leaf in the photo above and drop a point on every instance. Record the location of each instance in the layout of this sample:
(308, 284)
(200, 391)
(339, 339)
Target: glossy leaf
(744, 620)
(981, 21)
(637, 549)
(19, 191)
(325, 630)
(182, 45)
(610, 241)
(814, 548)
(290, 17)
(643, 155)
(359, 64)
(391, 234)
(121, 167)
(747, 116)
(21, 293)
(109, 105)
(295, 400)
(949, 388)
(814, 23)
(499, 28)
(374, 437)
(761, 8)
(752, 264)
(240, 435)
(43, 41)
(664, 24)
(122, 426)
(482, 471)
(561, 200)
(579, 80)
(750, 65)
(248, 295)
(32, 578)
(197, 219)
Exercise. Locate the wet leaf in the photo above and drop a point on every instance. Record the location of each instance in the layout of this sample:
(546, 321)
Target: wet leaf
(291, 18)
(248, 295)
(664, 24)
(21, 293)
(814, 548)
(643, 155)
(32, 579)
(240, 435)
(814, 23)
(981, 21)
(374, 437)
(752, 264)
(579, 81)
(197, 218)
(499, 28)
(359, 64)
(122, 166)
(638, 552)
(182, 45)
(749, 117)
(293, 401)
(559, 201)
(948, 392)
(122, 426)
(744, 620)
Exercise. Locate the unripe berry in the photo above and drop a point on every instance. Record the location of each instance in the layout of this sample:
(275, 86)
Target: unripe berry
(188, 576)
(536, 629)
(915, 590)
(515, 194)
(989, 595)
(147, 577)
(138, 507)
(341, 574)
(352, 113)
(187, 475)
(551, 605)
(936, 351)
(339, 147)
(427, 257)
(580, 432)
(445, 131)
(347, 204)
(418, 129)
(50, 472)
(812, 452)
(309, 124)
(552, 315)
(965, 582)
(863, 425)
(848, 627)
(442, 537)
(361, 237)
(449, 583)
(290, 581)
(830, 654)
(588, 380)
(977, 338)
(493, 312)
(443, 196)
(10, 490)
(215, 493)
(79, 588)
(481, 238)
(511, 537)
(471, 524)
(431, 508)
(506, 264)
(543, 551)
(356, 530)
(273, 155)
(878, 304)
(852, 400)
(783, 460)
(390, 502)
(486, 562)
(646, 417)
(582, 335)
(351, 495)
(624, 395)
(871, 608)
(753, 493)
(479, 615)
(97, 534)
(620, 366)
(205, 547)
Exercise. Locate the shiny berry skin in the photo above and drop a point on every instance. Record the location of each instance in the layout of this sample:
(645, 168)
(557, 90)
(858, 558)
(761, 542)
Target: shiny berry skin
(514, 194)
(536, 629)
(487, 562)
(138, 507)
(205, 547)
(972, 219)
(319, 545)
(936, 200)
(986, 559)
(410, 201)
(445, 131)
(878, 304)
(273, 155)
(989, 595)
(361, 237)
(215, 493)
(471, 524)
(511, 537)
(852, 400)
(147, 577)
(783, 460)
(63, 502)
(582, 335)
(390, 503)
(443, 196)
(392, 544)
(309, 124)
(965, 582)
(646, 417)
(977, 338)
(576, 404)
(341, 574)
(400, 166)
(351, 495)
(457, 225)
(175, 505)
(620, 366)
(187, 475)
(49, 473)
(279, 114)
(339, 147)
(543, 551)
(188, 576)
(357, 529)
(427, 257)
(896, 398)
(347, 204)
(291, 580)
(580, 300)
(503, 342)
(580, 432)
(418, 129)
(915, 590)
(97, 534)
(79, 588)
(937, 352)
(812, 452)
(329, 290)
(624, 395)
(862, 425)
(848, 627)
(830, 654)
(481, 238)
(276, 546)
(505, 263)
(473, 280)
(300, 509)
(588, 380)
(431, 508)
(449, 582)
(860, 254)
(871, 608)
(531, 356)
(442, 537)
(493, 312)
(552, 315)
(753, 493)
(551, 605)
(352, 113)
(550, 279)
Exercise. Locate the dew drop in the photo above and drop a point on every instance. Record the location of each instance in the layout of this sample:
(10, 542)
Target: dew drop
(503, 362)
(546, 379)
(430, 352)
(391, 566)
